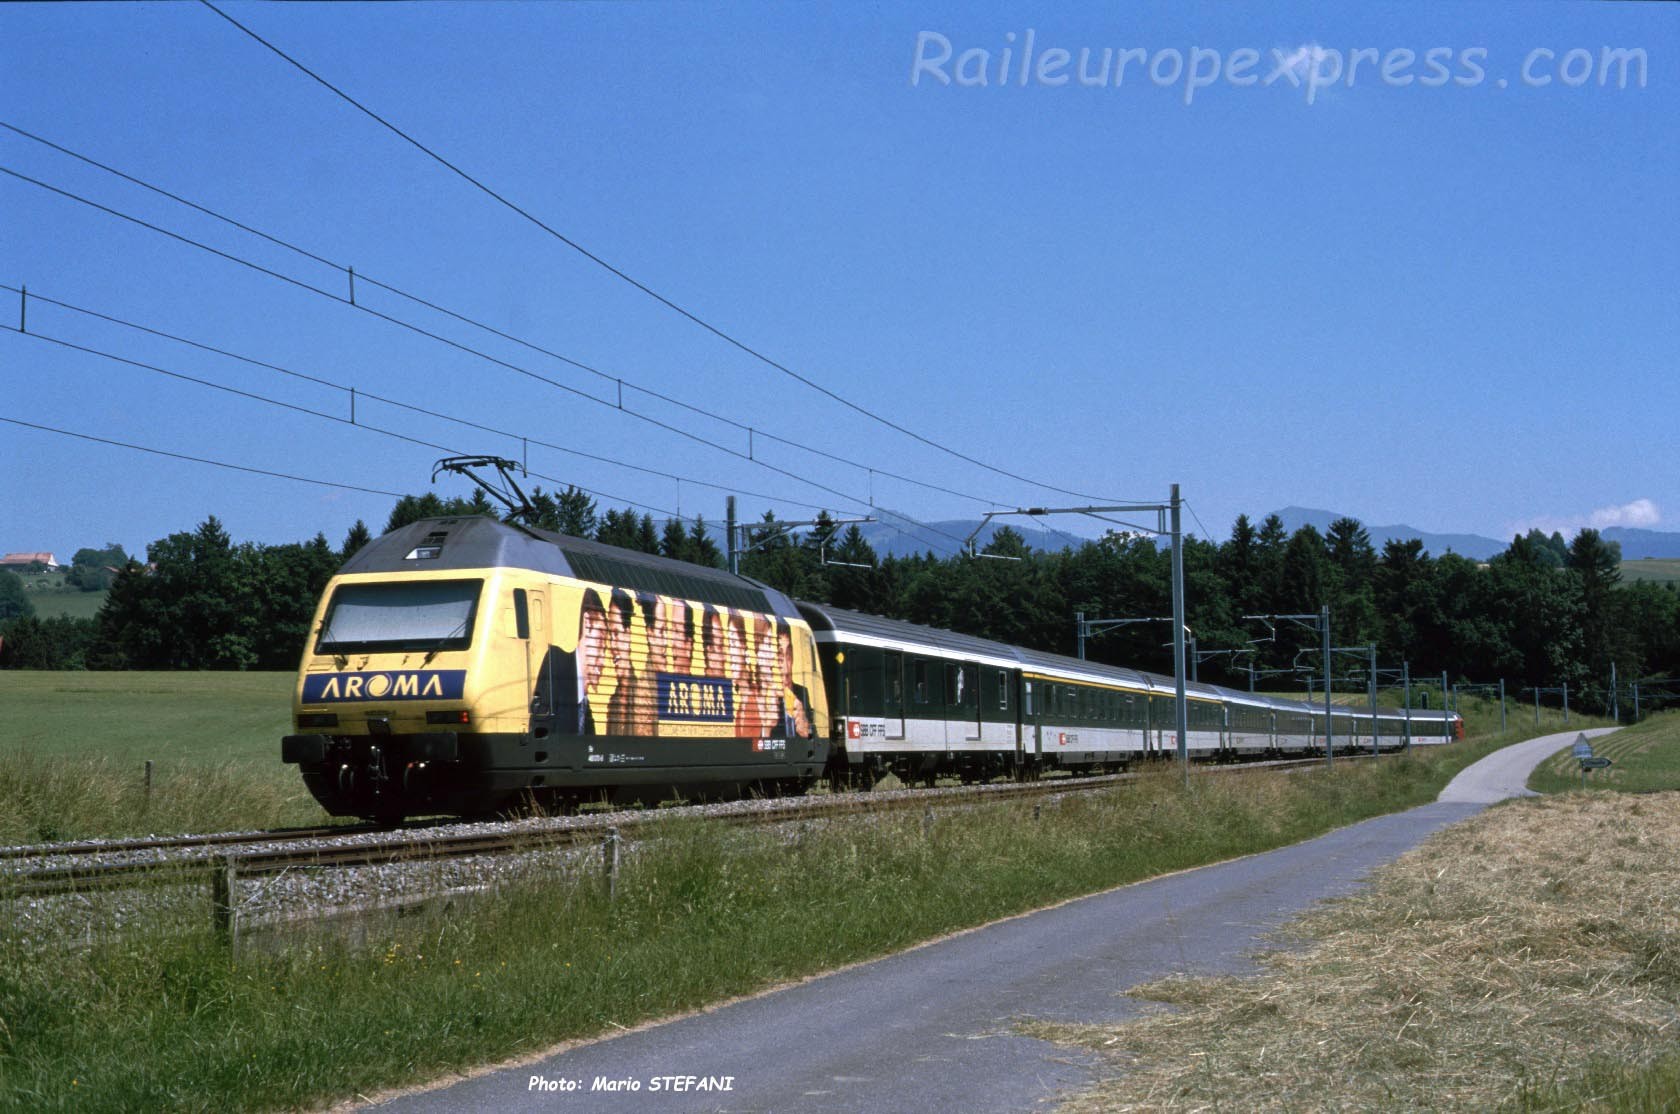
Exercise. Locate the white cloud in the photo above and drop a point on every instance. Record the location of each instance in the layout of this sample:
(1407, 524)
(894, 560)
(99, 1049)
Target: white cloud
(1641, 513)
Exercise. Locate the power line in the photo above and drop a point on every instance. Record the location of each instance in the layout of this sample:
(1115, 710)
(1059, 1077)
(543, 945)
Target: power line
(468, 349)
(359, 393)
(417, 299)
(184, 377)
(308, 411)
(199, 459)
(1198, 519)
(626, 277)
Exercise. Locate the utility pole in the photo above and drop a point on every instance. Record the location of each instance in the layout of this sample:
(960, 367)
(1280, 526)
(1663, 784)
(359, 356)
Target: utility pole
(1502, 705)
(1615, 709)
(1178, 635)
(1566, 703)
(738, 546)
(1406, 679)
(729, 529)
(1170, 508)
(1321, 623)
(1329, 730)
(1537, 707)
(1373, 698)
(1079, 629)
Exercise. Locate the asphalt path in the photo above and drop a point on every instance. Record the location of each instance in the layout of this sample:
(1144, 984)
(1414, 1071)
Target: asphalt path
(934, 1028)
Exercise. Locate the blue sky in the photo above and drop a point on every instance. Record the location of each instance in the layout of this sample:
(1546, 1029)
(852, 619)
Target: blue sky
(1450, 305)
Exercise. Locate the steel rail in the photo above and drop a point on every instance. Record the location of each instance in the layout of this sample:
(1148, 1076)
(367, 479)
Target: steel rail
(165, 843)
(409, 846)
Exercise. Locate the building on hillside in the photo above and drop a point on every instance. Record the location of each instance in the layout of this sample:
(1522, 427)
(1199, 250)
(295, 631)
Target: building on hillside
(18, 561)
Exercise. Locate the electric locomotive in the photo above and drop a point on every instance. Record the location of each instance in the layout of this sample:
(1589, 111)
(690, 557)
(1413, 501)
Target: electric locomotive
(458, 664)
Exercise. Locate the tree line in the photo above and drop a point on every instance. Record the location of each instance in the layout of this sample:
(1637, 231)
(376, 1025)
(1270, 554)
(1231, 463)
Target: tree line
(1544, 612)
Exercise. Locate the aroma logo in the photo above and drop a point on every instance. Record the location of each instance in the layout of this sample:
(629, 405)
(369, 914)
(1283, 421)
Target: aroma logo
(401, 684)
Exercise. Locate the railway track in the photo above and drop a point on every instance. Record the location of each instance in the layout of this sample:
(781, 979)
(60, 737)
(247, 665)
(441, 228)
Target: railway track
(41, 870)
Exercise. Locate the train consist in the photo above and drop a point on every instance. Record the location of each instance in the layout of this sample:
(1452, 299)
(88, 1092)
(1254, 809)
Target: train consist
(460, 664)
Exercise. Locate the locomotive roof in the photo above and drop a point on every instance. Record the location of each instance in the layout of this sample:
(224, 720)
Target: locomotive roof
(480, 542)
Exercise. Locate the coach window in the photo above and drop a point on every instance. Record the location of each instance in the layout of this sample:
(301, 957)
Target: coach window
(866, 679)
(919, 690)
(1026, 698)
(1003, 690)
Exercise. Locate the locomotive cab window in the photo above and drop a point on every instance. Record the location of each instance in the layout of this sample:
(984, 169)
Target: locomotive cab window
(400, 616)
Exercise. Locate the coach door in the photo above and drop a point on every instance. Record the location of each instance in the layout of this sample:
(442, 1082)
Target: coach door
(962, 704)
(1033, 737)
(892, 691)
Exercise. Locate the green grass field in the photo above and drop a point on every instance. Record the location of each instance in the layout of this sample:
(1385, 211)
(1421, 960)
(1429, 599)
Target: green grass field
(73, 748)
(1646, 757)
(166, 1017)
(53, 597)
(130, 717)
(72, 603)
(1661, 569)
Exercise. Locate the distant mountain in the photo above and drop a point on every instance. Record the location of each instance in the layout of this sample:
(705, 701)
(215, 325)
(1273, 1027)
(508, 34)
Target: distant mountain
(1474, 546)
(1637, 545)
(892, 536)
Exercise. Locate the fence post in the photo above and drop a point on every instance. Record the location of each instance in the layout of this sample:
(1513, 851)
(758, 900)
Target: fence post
(609, 862)
(148, 803)
(224, 915)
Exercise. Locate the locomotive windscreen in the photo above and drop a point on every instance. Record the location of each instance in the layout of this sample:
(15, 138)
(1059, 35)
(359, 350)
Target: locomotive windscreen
(410, 615)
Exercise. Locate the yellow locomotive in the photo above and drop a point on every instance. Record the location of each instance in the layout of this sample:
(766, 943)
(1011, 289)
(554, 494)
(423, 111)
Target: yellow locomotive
(456, 665)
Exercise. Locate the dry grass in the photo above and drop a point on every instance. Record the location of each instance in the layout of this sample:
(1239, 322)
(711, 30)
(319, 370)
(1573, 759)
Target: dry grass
(1507, 962)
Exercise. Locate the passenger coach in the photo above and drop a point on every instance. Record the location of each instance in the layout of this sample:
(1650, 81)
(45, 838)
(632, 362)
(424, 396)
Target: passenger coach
(920, 702)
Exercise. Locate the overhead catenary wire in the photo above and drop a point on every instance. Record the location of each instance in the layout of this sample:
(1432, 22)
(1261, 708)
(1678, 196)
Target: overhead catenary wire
(199, 459)
(362, 276)
(1198, 519)
(469, 350)
(181, 376)
(37, 334)
(691, 316)
(362, 393)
